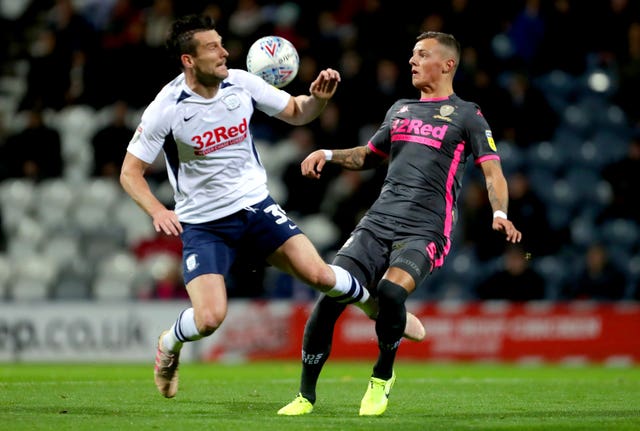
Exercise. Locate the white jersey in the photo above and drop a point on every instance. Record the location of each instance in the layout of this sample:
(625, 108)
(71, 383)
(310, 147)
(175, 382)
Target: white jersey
(212, 162)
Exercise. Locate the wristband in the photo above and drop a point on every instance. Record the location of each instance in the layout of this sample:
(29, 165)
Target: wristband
(500, 214)
(328, 154)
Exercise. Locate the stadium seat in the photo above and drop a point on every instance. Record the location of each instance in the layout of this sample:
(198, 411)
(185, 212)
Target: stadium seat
(558, 87)
(633, 269)
(578, 117)
(583, 183)
(63, 249)
(99, 244)
(136, 223)
(17, 193)
(54, 198)
(26, 238)
(119, 269)
(545, 155)
(55, 192)
(100, 193)
(105, 288)
(6, 273)
(611, 145)
(89, 218)
(584, 232)
(71, 287)
(34, 277)
(29, 290)
(622, 233)
(511, 156)
(322, 232)
(555, 270)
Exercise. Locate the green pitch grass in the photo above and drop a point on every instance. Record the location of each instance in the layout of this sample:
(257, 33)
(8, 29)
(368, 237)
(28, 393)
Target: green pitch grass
(246, 397)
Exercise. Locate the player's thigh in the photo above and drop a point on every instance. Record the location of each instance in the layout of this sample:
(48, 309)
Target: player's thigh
(299, 257)
(365, 255)
(411, 261)
(209, 299)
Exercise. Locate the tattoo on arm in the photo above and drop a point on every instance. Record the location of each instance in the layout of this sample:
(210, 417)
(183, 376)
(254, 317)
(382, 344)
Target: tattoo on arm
(498, 203)
(356, 158)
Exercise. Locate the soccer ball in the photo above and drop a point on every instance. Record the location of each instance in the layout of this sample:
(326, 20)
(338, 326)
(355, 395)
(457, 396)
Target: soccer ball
(274, 59)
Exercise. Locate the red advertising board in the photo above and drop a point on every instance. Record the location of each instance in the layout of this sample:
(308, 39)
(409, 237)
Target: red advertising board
(548, 332)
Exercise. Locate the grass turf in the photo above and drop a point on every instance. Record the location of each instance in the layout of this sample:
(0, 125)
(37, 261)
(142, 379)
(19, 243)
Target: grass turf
(245, 397)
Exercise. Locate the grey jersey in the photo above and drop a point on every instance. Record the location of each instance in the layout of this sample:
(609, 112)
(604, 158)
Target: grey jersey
(428, 143)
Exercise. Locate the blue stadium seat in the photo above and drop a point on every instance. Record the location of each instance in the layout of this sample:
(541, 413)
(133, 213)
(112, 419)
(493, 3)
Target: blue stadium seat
(621, 233)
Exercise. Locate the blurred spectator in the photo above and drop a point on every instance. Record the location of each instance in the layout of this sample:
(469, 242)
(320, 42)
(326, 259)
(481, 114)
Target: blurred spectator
(166, 275)
(5, 166)
(526, 209)
(110, 143)
(561, 49)
(475, 221)
(158, 244)
(124, 42)
(515, 280)
(246, 19)
(461, 15)
(367, 21)
(630, 77)
(624, 177)
(478, 85)
(59, 55)
(35, 151)
(350, 196)
(304, 195)
(526, 33)
(47, 65)
(122, 16)
(158, 18)
(527, 103)
(598, 278)
(613, 18)
(325, 43)
(161, 255)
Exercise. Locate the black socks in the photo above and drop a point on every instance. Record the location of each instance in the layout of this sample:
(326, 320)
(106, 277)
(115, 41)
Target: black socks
(390, 325)
(318, 335)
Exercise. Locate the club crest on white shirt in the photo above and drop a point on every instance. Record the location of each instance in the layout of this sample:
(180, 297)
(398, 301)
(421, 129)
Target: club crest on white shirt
(231, 102)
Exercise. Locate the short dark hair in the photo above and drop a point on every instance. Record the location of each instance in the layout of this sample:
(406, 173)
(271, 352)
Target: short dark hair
(445, 39)
(180, 39)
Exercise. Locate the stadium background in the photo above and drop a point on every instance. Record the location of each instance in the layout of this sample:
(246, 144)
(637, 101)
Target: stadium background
(76, 75)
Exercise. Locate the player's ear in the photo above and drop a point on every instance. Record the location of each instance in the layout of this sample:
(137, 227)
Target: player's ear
(186, 60)
(450, 66)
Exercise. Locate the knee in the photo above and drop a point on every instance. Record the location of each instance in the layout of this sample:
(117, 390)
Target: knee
(321, 277)
(209, 320)
(391, 293)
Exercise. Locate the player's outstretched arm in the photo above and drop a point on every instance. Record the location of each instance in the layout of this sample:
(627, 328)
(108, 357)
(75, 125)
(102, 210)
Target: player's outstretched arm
(498, 193)
(357, 158)
(303, 109)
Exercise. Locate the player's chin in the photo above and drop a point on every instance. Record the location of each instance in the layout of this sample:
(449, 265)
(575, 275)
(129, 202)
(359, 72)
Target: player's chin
(222, 70)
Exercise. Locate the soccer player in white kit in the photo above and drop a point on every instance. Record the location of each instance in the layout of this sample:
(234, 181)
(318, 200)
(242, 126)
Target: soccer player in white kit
(200, 121)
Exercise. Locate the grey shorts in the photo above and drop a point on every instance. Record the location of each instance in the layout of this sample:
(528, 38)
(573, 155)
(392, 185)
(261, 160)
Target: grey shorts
(376, 245)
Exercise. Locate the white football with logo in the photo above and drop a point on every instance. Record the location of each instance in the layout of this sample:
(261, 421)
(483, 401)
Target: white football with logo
(274, 59)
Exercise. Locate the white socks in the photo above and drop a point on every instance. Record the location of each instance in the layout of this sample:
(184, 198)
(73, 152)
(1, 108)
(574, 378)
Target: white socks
(347, 289)
(183, 330)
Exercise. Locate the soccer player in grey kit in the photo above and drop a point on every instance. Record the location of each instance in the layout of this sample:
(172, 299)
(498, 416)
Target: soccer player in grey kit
(406, 233)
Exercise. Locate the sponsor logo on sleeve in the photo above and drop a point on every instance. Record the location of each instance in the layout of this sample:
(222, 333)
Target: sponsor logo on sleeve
(492, 143)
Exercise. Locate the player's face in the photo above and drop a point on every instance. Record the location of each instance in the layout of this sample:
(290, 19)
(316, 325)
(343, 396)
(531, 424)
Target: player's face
(209, 63)
(428, 63)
